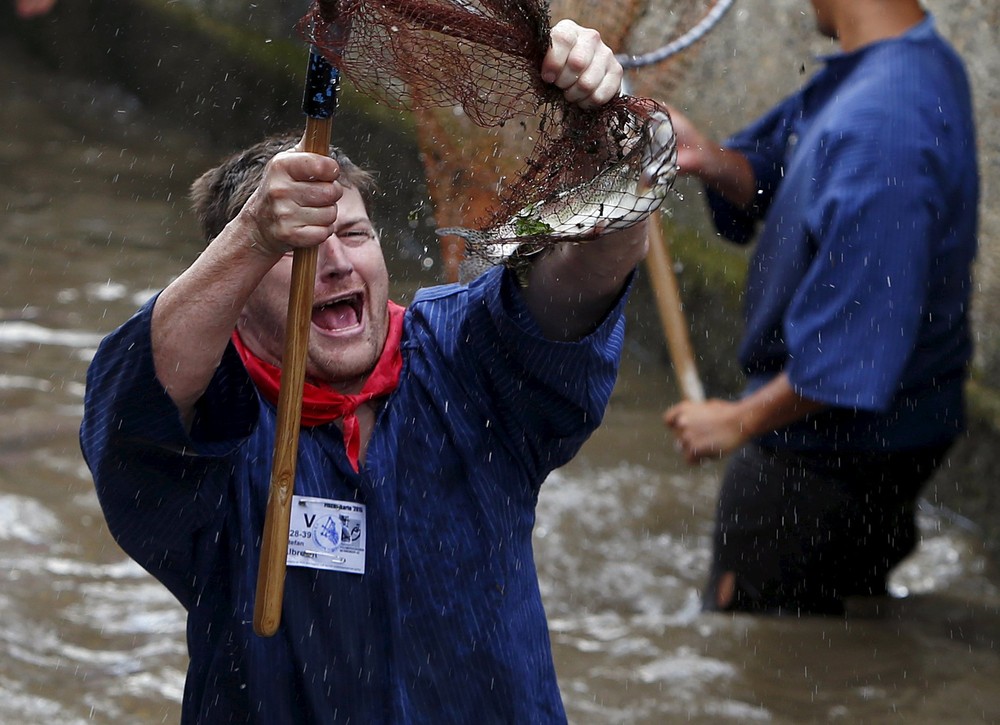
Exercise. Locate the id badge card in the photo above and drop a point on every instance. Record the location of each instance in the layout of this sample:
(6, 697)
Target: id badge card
(327, 534)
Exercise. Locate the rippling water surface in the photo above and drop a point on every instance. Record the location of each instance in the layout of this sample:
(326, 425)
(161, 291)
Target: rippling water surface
(92, 194)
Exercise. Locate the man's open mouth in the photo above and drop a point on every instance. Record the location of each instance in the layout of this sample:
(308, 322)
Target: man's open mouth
(338, 314)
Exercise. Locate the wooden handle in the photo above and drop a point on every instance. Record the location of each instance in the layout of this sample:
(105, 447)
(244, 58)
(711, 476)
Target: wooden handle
(668, 302)
(274, 547)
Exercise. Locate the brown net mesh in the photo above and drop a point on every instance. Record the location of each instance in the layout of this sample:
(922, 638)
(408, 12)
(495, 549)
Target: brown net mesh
(495, 138)
(416, 54)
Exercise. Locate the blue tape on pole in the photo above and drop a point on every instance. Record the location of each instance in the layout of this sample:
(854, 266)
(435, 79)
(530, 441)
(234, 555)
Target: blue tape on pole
(319, 99)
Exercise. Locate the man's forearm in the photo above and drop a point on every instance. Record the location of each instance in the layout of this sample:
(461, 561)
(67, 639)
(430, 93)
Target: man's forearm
(729, 173)
(773, 406)
(572, 287)
(195, 315)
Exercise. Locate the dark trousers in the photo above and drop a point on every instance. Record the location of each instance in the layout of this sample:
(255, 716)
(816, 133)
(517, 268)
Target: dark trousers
(798, 533)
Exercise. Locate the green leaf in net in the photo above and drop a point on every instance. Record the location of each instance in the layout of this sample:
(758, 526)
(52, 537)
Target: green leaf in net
(526, 226)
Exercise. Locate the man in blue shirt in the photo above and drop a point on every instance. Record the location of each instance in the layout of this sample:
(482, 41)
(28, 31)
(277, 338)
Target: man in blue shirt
(411, 594)
(864, 189)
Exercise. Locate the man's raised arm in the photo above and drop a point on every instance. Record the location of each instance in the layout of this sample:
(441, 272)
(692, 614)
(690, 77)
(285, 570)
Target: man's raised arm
(573, 286)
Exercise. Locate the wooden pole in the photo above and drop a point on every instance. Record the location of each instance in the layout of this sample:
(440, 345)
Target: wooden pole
(668, 301)
(319, 103)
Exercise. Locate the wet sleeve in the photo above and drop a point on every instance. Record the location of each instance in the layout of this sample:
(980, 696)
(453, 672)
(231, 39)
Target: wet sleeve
(553, 393)
(512, 404)
(853, 322)
(159, 487)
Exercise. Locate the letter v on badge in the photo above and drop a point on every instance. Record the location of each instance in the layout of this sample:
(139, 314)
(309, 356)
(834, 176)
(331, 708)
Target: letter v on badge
(327, 534)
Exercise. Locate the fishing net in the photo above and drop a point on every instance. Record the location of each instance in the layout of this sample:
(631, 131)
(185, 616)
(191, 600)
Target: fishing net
(495, 138)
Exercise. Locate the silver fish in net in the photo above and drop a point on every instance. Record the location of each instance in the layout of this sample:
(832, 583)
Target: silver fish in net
(620, 197)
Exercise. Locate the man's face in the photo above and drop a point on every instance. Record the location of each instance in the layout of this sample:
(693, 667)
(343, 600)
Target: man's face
(349, 318)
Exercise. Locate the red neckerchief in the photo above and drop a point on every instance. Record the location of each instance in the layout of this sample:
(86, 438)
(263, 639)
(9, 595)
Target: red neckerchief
(323, 404)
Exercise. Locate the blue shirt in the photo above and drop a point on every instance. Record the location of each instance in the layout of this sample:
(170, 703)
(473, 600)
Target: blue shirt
(860, 282)
(446, 625)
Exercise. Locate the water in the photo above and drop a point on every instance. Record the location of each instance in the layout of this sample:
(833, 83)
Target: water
(623, 542)
(93, 222)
